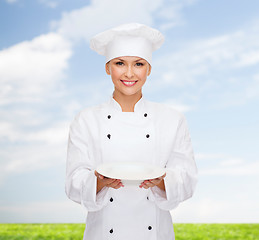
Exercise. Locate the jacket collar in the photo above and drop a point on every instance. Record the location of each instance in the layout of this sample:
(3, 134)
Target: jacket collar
(139, 106)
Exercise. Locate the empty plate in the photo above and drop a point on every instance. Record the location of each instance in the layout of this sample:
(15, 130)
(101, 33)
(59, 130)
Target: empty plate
(130, 170)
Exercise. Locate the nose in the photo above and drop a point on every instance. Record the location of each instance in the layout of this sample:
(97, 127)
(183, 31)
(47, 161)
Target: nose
(129, 73)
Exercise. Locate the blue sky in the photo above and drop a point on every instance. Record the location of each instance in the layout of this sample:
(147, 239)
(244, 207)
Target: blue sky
(208, 68)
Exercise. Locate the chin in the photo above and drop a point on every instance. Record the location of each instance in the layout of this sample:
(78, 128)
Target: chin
(131, 93)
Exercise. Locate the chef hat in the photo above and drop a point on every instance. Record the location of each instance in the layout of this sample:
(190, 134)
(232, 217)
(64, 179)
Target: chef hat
(131, 39)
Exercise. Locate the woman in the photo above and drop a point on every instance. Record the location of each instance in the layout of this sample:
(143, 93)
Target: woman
(129, 128)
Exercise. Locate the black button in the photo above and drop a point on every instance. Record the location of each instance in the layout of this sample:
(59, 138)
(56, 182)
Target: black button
(111, 199)
(147, 136)
(111, 231)
(149, 227)
(147, 198)
(145, 115)
(109, 136)
(109, 116)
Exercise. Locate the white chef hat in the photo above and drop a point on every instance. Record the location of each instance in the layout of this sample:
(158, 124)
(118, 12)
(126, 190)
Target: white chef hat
(131, 39)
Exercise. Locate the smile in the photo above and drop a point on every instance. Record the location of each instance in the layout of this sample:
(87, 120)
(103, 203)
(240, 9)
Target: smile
(128, 83)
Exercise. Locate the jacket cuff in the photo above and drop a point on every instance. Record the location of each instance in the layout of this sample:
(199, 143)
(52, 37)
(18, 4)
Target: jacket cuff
(158, 193)
(90, 200)
(168, 199)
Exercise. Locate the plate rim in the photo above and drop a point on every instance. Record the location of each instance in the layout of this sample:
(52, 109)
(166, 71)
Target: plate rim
(104, 164)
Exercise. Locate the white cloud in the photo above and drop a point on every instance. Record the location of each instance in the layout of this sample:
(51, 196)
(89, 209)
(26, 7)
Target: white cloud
(223, 66)
(29, 158)
(252, 90)
(101, 14)
(11, 1)
(210, 210)
(178, 106)
(30, 72)
(31, 69)
(171, 12)
(208, 156)
(235, 50)
(50, 3)
(245, 169)
(85, 22)
(51, 135)
(38, 149)
(232, 162)
(64, 211)
(32, 158)
(7, 130)
(221, 164)
(56, 134)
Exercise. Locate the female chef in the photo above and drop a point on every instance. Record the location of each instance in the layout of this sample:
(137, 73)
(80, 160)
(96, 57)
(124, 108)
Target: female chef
(129, 128)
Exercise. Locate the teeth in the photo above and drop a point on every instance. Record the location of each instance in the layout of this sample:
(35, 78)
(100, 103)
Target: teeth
(129, 83)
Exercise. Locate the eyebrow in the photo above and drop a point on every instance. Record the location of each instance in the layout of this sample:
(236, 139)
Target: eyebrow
(125, 60)
(139, 59)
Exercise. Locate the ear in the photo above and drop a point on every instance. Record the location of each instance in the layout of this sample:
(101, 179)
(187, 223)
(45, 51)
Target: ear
(149, 70)
(107, 68)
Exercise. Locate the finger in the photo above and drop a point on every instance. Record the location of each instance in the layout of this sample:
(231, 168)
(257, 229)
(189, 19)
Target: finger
(163, 176)
(96, 173)
(144, 183)
(109, 181)
(99, 175)
(119, 185)
(150, 184)
(147, 184)
(155, 181)
(160, 178)
(113, 183)
(116, 186)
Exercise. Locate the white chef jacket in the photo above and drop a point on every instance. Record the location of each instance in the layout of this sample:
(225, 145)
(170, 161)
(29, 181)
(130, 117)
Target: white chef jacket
(153, 133)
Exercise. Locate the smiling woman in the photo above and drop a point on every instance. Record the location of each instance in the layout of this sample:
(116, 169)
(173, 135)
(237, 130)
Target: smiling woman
(128, 75)
(129, 128)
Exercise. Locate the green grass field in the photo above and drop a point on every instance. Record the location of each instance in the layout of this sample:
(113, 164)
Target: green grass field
(182, 231)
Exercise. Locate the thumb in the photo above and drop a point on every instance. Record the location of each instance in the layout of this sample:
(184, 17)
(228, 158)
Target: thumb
(98, 175)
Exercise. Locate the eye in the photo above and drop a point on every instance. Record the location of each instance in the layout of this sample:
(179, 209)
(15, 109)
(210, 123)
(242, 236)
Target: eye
(140, 64)
(119, 63)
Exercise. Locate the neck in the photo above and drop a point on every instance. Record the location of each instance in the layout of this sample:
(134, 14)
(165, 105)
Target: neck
(127, 102)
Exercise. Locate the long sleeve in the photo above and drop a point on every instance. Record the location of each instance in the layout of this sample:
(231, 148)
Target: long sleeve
(181, 171)
(80, 178)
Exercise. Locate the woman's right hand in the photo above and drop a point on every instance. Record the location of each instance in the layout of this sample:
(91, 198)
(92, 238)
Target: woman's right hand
(103, 181)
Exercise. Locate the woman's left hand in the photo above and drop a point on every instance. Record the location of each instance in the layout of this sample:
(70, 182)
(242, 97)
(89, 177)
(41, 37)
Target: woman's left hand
(154, 182)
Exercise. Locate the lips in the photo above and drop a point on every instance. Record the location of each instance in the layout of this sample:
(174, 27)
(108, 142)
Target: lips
(128, 83)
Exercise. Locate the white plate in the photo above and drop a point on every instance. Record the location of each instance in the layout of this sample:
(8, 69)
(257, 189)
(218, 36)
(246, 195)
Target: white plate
(130, 170)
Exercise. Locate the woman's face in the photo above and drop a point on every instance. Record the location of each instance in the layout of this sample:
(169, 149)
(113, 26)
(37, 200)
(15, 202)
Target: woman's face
(128, 74)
